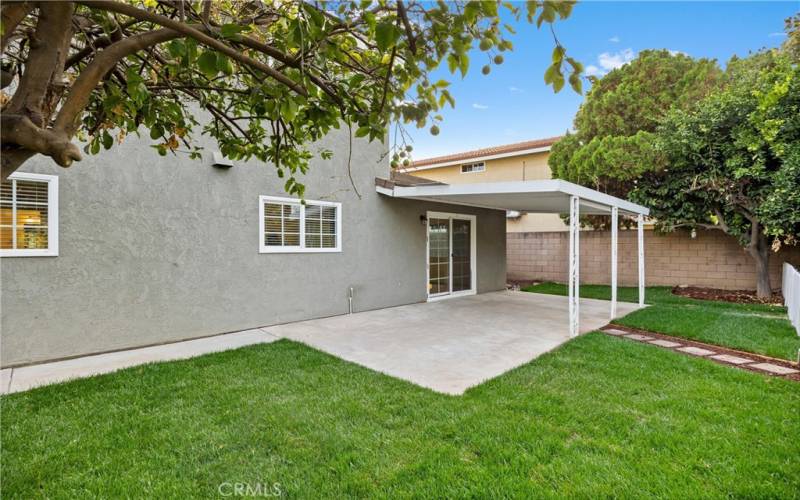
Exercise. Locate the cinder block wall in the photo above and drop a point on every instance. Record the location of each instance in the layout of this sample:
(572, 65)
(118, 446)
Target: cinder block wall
(712, 259)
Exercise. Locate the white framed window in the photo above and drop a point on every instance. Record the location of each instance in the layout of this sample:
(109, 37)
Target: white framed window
(288, 226)
(471, 168)
(29, 215)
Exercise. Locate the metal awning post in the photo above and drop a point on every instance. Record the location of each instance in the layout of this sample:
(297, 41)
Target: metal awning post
(614, 218)
(574, 266)
(640, 230)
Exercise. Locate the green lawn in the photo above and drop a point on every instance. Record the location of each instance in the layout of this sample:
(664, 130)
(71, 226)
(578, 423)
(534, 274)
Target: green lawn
(599, 417)
(758, 328)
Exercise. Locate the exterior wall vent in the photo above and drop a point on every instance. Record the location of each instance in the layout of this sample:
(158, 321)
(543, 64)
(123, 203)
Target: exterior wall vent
(220, 161)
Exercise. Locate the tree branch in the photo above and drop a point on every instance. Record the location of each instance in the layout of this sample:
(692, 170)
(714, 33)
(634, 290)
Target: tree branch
(95, 71)
(89, 49)
(201, 37)
(12, 15)
(412, 42)
(20, 130)
(53, 32)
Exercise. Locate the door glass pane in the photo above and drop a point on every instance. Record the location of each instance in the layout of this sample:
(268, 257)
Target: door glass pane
(462, 258)
(439, 256)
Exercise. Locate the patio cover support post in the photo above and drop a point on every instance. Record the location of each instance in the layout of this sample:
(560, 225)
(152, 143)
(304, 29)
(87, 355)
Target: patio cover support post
(574, 266)
(614, 218)
(640, 230)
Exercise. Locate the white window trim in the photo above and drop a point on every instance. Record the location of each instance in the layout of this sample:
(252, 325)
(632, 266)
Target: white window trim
(474, 164)
(52, 218)
(263, 248)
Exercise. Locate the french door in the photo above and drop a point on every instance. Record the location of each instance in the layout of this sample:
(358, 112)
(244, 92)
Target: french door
(451, 255)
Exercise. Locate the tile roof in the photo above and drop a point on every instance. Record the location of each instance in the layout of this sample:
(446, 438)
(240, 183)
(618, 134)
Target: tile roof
(477, 153)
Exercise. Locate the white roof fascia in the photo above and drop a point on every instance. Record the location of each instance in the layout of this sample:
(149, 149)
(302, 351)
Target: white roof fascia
(540, 186)
(474, 159)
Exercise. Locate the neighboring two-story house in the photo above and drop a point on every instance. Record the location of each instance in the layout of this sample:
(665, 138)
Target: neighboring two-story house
(538, 243)
(521, 161)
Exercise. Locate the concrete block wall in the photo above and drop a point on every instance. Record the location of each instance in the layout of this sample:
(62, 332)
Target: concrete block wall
(712, 259)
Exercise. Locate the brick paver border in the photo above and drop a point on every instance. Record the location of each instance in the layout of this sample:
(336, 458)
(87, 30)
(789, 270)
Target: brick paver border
(758, 363)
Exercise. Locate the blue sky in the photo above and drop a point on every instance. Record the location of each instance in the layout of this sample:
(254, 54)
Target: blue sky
(512, 104)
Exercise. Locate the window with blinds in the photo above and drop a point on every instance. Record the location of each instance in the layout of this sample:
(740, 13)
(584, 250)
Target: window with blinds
(29, 215)
(287, 225)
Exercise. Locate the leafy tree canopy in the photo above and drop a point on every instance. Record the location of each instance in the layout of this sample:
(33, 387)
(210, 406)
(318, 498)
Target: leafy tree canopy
(699, 146)
(612, 143)
(732, 162)
(274, 76)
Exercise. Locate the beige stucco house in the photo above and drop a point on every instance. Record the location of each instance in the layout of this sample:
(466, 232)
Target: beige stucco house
(521, 161)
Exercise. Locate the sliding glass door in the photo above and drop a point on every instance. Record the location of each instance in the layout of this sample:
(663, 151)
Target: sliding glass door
(451, 254)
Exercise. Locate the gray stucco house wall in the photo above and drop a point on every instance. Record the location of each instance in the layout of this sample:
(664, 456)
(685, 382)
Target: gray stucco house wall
(156, 249)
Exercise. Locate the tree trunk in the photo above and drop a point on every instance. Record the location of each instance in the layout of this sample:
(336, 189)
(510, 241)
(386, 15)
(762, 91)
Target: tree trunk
(759, 251)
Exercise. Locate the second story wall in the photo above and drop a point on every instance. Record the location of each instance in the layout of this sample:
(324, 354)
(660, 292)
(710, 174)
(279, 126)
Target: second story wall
(515, 168)
(527, 167)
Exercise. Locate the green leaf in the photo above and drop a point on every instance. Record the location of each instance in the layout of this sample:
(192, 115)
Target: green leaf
(156, 132)
(564, 8)
(550, 73)
(224, 64)
(531, 6)
(489, 7)
(548, 14)
(558, 54)
(463, 64)
(108, 141)
(207, 63)
(176, 48)
(452, 63)
(576, 65)
(386, 35)
(231, 31)
(576, 83)
(471, 11)
(289, 109)
(362, 131)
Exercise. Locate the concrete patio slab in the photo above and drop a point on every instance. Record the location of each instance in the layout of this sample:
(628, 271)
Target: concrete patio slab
(447, 346)
(5, 380)
(28, 377)
(451, 345)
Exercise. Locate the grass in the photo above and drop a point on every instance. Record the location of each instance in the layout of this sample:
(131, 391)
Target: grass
(757, 328)
(599, 417)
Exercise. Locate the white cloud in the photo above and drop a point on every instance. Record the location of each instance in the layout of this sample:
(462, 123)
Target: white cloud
(609, 61)
(777, 34)
(592, 70)
(479, 106)
(515, 90)
(614, 39)
(676, 52)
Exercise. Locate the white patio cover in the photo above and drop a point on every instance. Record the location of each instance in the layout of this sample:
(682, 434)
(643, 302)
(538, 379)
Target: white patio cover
(541, 196)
